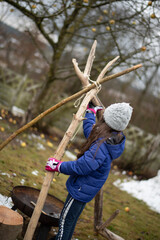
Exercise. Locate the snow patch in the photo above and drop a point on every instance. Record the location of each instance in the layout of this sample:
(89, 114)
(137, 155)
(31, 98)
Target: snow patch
(146, 190)
(40, 146)
(34, 136)
(15, 41)
(6, 201)
(18, 112)
(22, 181)
(35, 172)
(5, 174)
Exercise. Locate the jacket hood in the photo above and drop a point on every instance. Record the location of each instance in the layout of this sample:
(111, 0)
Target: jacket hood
(116, 150)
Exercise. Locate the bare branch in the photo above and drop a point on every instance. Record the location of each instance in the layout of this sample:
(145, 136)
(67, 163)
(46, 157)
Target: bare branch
(24, 10)
(107, 222)
(90, 59)
(103, 72)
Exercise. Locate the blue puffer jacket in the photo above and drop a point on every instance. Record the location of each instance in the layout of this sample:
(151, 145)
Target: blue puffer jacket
(90, 171)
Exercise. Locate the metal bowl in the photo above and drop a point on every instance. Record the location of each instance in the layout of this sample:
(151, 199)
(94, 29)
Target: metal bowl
(24, 199)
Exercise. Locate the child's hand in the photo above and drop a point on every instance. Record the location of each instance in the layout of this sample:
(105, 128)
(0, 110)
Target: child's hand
(53, 165)
(98, 108)
(92, 108)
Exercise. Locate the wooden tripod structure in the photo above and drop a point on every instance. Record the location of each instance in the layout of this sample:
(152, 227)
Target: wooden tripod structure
(91, 91)
(77, 118)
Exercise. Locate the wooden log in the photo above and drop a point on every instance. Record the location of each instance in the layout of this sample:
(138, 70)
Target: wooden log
(11, 223)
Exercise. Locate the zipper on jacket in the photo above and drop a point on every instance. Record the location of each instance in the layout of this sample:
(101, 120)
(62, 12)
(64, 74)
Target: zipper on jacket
(79, 189)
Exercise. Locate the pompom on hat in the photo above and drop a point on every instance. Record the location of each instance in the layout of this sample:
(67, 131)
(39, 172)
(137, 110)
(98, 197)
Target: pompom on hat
(118, 115)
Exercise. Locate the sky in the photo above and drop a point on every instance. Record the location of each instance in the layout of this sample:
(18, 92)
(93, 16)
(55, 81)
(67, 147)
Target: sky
(17, 20)
(14, 19)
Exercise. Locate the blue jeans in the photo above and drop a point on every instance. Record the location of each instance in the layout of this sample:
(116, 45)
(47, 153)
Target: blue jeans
(69, 216)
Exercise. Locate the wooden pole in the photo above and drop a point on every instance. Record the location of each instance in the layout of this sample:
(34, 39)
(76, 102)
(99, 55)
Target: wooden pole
(98, 205)
(60, 150)
(64, 101)
(58, 155)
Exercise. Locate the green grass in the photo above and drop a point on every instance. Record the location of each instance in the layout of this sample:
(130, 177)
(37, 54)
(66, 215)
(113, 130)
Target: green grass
(140, 223)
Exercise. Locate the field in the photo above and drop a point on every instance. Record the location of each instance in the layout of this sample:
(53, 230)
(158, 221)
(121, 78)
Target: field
(28, 154)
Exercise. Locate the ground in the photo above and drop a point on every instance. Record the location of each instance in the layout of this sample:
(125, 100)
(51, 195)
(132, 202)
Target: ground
(23, 160)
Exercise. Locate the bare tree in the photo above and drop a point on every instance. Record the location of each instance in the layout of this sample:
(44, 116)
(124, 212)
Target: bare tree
(126, 28)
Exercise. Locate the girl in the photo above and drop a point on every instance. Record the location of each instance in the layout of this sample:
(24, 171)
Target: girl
(105, 142)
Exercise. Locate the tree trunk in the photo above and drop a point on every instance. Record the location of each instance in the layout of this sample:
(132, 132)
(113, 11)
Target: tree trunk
(11, 223)
(37, 104)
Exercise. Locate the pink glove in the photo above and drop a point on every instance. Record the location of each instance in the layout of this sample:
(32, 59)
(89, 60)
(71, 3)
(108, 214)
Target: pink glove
(53, 165)
(92, 108)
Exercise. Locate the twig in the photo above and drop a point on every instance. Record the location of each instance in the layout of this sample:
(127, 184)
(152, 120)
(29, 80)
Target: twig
(34, 204)
(109, 235)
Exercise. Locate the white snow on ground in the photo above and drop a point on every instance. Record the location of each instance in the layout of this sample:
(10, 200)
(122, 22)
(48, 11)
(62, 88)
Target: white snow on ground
(17, 111)
(35, 172)
(6, 201)
(146, 190)
(40, 146)
(22, 181)
(6, 174)
(34, 136)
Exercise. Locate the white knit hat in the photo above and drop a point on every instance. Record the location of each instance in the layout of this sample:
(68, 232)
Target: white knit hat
(118, 115)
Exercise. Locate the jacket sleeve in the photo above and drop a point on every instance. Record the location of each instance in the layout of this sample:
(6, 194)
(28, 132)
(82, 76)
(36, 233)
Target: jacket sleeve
(88, 123)
(85, 164)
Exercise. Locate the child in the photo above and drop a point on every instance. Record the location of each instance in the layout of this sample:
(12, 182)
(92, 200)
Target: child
(105, 142)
